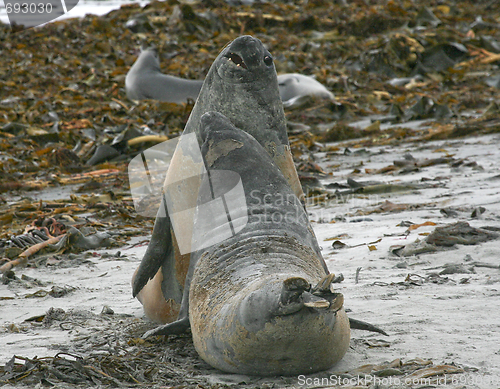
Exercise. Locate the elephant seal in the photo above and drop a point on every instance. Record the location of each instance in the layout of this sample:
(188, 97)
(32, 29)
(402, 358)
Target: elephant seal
(261, 302)
(145, 80)
(294, 85)
(242, 85)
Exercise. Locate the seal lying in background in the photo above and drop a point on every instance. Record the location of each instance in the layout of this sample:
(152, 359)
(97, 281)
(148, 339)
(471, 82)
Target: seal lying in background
(294, 85)
(242, 85)
(262, 301)
(146, 81)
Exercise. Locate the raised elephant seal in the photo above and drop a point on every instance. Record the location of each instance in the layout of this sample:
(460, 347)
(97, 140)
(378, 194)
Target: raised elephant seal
(145, 80)
(262, 301)
(241, 84)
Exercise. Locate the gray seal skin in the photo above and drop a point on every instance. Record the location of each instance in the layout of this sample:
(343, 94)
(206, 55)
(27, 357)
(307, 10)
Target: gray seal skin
(242, 85)
(262, 302)
(144, 80)
(294, 85)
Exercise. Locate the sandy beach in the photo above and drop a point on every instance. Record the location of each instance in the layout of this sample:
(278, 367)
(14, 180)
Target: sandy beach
(449, 319)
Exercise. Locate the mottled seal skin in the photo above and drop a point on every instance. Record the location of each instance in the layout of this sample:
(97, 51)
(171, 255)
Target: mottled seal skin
(145, 80)
(242, 85)
(261, 302)
(294, 85)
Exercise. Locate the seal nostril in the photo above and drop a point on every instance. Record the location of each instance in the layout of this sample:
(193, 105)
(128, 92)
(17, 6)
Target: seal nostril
(237, 60)
(268, 60)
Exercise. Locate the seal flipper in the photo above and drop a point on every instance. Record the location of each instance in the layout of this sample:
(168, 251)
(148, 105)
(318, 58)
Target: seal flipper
(182, 323)
(297, 293)
(160, 253)
(362, 325)
(175, 328)
(324, 288)
(291, 299)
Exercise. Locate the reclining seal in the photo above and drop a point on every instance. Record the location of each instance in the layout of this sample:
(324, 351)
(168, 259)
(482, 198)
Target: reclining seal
(145, 80)
(293, 85)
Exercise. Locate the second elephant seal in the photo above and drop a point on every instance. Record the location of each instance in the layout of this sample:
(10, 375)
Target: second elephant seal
(261, 302)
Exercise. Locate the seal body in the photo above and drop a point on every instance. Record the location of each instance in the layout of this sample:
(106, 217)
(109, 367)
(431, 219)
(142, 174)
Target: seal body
(235, 319)
(242, 85)
(294, 85)
(145, 80)
(254, 307)
(235, 314)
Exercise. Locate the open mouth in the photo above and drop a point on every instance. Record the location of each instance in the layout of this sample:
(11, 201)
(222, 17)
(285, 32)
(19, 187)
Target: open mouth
(236, 59)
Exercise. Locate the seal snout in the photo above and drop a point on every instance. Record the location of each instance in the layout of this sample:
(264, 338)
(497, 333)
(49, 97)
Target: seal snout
(291, 299)
(297, 293)
(237, 60)
(247, 52)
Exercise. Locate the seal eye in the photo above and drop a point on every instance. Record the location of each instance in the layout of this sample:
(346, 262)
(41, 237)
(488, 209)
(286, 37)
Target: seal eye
(268, 60)
(237, 60)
